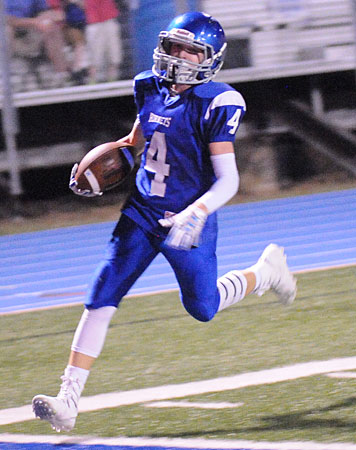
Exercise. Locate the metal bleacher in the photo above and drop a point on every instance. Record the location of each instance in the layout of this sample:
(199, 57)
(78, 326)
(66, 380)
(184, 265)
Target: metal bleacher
(267, 39)
(314, 36)
(284, 38)
(318, 37)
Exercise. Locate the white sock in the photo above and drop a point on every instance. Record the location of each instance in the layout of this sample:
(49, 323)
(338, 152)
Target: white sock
(74, 380)
(77, 373)
(232, 288)
(256, 271)
(91, 331)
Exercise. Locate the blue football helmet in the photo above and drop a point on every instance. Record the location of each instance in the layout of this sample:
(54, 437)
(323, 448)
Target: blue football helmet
(200, 31)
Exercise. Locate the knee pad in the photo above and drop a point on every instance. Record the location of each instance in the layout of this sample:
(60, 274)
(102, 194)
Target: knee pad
(90, 334)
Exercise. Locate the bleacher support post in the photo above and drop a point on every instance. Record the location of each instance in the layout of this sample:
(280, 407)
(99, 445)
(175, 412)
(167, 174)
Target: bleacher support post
(9, 116)
(354, 23)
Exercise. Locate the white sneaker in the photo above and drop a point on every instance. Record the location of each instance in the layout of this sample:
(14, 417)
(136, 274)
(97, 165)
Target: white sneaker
(61, 411)
(275, 274)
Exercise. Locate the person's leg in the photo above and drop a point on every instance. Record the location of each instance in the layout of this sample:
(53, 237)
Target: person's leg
(95, 50)
(54, 42)
(76, 39)
(114, 49)
(270, 272)
(99, 49)
(196, 272)
(203, 295)
(124, 263)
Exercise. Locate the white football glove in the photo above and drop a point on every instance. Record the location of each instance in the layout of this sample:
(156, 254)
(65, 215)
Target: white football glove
(73, 185)
(186, 227)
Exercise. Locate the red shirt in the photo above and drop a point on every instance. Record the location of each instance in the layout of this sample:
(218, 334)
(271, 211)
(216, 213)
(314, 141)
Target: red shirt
(100, 10)
(54, 4)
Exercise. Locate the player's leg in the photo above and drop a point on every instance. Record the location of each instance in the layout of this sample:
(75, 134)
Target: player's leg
(124, 263)
(196, 272)
(196, 275)
(270, 272)
(203, 297)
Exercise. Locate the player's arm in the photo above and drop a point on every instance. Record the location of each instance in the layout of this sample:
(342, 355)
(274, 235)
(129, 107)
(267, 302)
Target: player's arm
(135, 137)
(222, 157)
(188, 224)
(221, 120)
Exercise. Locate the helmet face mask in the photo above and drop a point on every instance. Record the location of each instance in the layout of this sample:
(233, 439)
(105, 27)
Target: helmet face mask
(202, 34)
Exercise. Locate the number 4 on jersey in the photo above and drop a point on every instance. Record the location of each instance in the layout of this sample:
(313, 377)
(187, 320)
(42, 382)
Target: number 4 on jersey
(158, 166)
(234, 121)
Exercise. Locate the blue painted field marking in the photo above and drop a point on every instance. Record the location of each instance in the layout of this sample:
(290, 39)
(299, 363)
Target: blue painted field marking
(66, 442)
(49, 268)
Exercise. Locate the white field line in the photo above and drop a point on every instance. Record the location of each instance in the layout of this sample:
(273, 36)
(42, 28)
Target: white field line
(201, 405)
(116, 399)
(342, 375)
(166, 443)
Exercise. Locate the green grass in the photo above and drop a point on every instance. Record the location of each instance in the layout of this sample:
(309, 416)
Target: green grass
(152, 341)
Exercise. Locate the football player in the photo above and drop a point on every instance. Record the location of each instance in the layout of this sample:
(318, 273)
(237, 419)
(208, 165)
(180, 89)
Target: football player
(187, 125)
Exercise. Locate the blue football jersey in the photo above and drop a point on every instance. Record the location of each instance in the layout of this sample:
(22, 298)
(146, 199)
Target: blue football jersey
(175, 167)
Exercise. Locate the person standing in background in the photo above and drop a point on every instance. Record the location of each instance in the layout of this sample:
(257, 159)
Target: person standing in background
(103, 40)
(35, 20)
(74, 33)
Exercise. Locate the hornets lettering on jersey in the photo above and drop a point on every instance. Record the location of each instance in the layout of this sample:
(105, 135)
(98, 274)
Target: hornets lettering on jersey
(166, 121)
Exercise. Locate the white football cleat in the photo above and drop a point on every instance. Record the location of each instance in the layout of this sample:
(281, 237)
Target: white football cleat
(275, 274)
(61, 411)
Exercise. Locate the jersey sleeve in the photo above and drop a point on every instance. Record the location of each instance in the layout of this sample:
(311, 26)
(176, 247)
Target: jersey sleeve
(223, 116)
(142, 83)
(138, 93)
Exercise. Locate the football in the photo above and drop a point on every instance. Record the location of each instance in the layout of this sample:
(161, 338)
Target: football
(105, 167)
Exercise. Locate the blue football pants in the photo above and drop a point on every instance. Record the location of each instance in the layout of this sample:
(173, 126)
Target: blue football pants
(131, 250)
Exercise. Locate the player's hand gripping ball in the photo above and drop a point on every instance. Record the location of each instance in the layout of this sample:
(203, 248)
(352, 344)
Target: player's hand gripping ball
(102, 168)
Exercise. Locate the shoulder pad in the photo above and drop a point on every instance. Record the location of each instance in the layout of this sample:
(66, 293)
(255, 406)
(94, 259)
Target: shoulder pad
(146, 75)
(211, 89)
(219, 94)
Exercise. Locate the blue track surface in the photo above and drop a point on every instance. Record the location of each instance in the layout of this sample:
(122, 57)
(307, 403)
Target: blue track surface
(53, 267)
